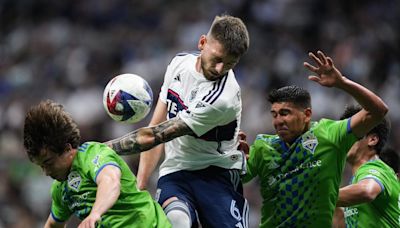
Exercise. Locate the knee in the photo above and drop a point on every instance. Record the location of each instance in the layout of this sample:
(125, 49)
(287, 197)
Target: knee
(178, 214)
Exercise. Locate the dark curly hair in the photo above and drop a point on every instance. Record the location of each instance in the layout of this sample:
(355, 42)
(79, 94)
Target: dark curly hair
(298, 96)
(48, 126)
(381, 130)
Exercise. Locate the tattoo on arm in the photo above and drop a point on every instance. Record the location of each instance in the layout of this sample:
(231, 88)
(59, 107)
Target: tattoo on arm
(148, 137)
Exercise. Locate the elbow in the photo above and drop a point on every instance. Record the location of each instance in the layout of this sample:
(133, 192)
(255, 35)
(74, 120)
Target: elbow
(368, 195)
(385, 110)
(379, 113)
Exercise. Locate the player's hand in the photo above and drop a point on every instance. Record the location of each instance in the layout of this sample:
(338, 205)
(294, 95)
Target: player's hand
(327, 74)
(90, 221)
(243, 145)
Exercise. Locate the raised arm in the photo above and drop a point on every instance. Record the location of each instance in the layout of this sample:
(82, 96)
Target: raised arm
(374, 109)
(148, 137)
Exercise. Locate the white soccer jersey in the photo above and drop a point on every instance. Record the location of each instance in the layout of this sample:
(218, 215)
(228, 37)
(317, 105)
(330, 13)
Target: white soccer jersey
(210, 108)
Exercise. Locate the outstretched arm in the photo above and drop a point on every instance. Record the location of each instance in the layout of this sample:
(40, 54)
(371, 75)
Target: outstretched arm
(108, 190)
(362, 192)
(150, 159)
(148, 137)
(374, 109)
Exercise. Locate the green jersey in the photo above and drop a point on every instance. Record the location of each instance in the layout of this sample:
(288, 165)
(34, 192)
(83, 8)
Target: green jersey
(384, 211)
(300, 182)
(76, 195)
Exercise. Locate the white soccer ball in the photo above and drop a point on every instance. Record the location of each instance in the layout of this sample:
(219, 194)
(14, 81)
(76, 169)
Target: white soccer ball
(127, 98)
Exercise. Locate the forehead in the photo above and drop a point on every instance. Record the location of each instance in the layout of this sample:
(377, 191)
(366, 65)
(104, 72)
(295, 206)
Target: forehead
(43, 155)
(217, 50)
(283, 105)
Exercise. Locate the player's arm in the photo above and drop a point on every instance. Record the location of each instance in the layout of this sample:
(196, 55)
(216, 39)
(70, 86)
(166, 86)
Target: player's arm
(149, 160)
(108, 190)
(338, 218)
(374, 109)
(148, 137)
(362, 192)
(51, 223)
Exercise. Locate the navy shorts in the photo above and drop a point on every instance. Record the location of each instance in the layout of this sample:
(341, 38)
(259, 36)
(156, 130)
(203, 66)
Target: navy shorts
(214, 196)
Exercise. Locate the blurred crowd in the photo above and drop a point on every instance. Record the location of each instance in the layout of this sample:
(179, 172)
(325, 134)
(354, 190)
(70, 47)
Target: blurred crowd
(68, 51)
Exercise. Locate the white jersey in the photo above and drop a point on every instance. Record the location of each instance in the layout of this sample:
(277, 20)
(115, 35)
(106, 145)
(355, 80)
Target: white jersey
(212, 109)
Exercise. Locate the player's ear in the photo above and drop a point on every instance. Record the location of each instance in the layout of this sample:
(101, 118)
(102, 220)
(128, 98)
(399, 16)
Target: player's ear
(373, 139)
(308, 114)
(202, 42)
(68, 148)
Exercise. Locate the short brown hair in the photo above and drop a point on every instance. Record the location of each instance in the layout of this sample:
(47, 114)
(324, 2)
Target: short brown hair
(232, 33)
(48, 126)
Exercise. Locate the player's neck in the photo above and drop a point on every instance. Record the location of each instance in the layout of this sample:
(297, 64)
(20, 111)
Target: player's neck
(198, 65)
(362, 160)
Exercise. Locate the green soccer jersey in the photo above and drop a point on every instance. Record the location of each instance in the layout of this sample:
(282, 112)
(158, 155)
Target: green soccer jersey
(300, 182)
(384, 211)
(76, 195)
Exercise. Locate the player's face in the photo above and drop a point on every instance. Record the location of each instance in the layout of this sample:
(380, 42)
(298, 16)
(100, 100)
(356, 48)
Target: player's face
(54, 165)
(215, 63)
(359, 148)
(289, 120)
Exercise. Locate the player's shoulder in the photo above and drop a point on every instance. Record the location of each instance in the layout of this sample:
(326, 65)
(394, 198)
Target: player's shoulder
(224, 92)
(328, 125)
(376, 164)
(90, 150)
(266, 139)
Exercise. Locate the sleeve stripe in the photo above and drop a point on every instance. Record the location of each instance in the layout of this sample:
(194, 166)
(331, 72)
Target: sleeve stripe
(349, 130)
(102, 167)
(55, 218)
(375, 179)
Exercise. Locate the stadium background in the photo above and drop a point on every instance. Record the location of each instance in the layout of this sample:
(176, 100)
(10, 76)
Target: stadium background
(68, 50)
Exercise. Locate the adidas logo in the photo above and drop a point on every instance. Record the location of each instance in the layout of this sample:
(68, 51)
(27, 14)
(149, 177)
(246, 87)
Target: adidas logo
(177, 77)
(200, 105)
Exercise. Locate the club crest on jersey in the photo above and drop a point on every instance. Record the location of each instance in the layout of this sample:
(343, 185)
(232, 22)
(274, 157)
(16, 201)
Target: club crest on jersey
(74, 180)
(234, 157)
(309, 142)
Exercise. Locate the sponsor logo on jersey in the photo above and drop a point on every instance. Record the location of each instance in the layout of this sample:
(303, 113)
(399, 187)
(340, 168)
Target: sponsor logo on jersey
(350, 211)
(305, 165)
(74, 180)
(309, 142)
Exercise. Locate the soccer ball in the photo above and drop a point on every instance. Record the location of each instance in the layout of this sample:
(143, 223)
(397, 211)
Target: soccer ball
(127, 98)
